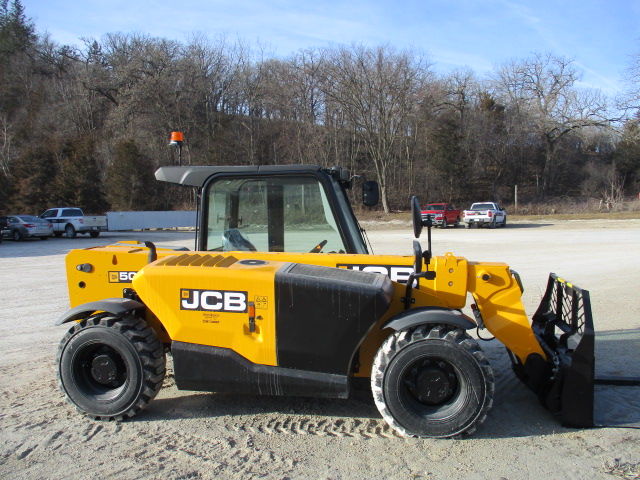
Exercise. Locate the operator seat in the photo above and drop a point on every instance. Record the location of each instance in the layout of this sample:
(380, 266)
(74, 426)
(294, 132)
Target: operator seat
(233, 240)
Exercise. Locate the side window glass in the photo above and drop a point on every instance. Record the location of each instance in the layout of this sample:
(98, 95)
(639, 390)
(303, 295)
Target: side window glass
(237, 215)
(72, 212)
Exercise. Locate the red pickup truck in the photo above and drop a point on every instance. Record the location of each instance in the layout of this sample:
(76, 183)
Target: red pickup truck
(442, 214)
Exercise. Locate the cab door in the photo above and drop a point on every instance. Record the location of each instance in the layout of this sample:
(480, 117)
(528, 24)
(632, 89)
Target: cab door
(291, 213)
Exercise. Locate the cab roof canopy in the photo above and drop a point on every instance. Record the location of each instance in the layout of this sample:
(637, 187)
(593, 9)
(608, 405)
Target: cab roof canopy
(196, 176)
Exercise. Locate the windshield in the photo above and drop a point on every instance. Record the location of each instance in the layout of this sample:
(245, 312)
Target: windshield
(434, 207)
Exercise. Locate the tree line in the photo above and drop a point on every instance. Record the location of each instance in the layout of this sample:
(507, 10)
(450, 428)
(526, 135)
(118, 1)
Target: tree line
(87, 126)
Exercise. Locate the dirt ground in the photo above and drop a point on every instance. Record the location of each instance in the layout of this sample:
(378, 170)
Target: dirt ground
(206, 435)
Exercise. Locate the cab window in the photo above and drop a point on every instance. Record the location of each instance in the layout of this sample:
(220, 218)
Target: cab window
(291, 214)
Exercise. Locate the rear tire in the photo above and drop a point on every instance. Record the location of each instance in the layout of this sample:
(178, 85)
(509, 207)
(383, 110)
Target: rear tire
(432, 381)
(70, 231)
(16, 235)
(110, 367)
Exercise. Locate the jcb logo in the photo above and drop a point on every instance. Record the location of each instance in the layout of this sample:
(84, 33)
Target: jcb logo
(397, 273)
(121, 277)
(213, 300)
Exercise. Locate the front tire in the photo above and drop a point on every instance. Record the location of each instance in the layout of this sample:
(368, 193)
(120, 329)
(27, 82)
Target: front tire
(444, 223)
(110, 367)
(16, 235)
(432, 381)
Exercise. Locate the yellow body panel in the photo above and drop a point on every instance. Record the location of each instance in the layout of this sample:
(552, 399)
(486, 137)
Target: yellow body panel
(166, 290)
(116, 267)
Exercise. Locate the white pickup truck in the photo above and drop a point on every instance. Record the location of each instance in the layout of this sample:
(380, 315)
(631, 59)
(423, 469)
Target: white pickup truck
(483, 214)
(71, 220)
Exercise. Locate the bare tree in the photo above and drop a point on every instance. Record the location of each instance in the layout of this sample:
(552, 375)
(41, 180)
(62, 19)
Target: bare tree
(542, 87)
(378, 89)
(631, 97)
(6, 151)
(461, 91)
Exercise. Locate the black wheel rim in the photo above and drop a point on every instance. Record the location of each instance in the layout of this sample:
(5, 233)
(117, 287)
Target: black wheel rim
(100, 372)
(431, 387)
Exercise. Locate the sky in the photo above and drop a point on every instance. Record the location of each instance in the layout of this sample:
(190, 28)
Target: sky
(599, 35)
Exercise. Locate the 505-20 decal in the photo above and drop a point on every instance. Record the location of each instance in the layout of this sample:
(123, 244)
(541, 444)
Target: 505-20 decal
(121, 277)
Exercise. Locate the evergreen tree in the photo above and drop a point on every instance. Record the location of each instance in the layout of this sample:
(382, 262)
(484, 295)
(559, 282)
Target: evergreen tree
(627, 157)
(17, 31)
(34, 189)
(80, 184)
(130, 180)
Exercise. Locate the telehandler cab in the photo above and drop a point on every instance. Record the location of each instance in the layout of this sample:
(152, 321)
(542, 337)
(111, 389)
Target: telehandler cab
(282, 297)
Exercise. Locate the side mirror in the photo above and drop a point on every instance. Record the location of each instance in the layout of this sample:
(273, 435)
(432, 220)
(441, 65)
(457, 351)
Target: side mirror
(416, 217)
(370, 193)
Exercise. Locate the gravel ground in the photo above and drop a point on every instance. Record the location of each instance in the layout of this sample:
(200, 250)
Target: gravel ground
(203, 435)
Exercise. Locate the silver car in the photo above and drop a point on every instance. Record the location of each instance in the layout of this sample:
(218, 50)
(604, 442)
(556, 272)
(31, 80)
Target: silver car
(19, 227)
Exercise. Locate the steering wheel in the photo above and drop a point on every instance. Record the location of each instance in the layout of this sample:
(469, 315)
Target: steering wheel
(318, 247)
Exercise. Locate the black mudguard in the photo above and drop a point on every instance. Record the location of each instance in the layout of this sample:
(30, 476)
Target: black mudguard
(429, 315)
(116, 306)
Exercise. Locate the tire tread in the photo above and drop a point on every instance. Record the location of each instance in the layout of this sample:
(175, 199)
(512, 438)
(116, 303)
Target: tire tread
(397, 341)
(149, 349)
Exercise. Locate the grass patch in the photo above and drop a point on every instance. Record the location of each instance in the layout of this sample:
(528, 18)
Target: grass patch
(558, 210)
(617, 468)
(377, 216)
(605, 215)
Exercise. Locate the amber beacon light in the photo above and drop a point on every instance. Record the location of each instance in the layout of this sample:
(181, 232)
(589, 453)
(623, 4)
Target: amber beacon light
(177, 140)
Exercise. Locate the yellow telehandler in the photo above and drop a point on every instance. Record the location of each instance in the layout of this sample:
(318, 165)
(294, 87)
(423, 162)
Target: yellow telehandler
(282, 297)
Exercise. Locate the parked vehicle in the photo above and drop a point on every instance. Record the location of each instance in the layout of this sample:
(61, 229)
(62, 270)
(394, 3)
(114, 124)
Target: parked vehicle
(442, 214)
(485, 214)
(19, 227)
(71, 220)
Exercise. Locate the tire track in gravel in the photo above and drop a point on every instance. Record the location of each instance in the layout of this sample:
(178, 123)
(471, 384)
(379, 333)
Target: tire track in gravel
(51, 427)
(349, 424)
(327, 427)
